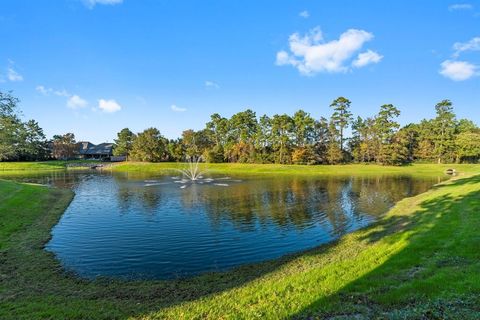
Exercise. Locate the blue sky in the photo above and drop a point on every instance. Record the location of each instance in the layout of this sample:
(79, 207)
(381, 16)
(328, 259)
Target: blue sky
(93, 67)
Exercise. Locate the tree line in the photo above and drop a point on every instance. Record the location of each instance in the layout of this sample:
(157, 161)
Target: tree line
(301, 139)
(283, 139)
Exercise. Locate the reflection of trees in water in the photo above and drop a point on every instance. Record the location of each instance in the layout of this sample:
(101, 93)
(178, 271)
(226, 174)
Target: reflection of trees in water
(337, 204)
(377, 195)
(301, 203)
(60, 179)
(194, 195)
(150, 199)
(132, 194)
(284, 202)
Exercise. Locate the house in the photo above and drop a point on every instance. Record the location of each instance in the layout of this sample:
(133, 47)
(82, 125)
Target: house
(87, 150)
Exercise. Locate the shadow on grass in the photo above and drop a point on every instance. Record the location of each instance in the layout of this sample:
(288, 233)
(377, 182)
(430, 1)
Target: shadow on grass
(35, 281)
(435, 276)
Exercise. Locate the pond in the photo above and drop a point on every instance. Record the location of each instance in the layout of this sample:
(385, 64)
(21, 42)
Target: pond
(147, 227)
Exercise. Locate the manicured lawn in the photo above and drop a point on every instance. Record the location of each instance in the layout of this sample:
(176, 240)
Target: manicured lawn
(41, 165)
(422, 260)
(246, 169)
(350, 169)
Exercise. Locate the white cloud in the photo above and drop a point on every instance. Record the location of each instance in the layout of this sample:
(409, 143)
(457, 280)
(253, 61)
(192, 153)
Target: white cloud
(458, 70)
(211, 84)
(366, 58)
(42, 90)
(460, 6)
(75, 102)
(91, 3)
(177, 109)
(48, 91)
(13, 75)
(310, 54)
(472, 45)
(109, 106)
(61, 93)
(304, 14)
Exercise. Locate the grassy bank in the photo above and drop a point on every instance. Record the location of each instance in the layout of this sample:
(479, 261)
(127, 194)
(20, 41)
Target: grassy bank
(253, 169)
(42, 165)
(420, 260)
(245, 169)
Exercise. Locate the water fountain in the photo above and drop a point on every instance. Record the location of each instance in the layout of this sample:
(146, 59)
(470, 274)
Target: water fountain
(192, 174)
(192, 171)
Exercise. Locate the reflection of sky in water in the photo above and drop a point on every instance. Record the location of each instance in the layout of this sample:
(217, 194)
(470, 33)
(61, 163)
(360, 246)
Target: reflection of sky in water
(118, 226)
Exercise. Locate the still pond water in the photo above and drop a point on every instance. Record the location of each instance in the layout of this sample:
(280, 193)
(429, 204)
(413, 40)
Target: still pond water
(131, 226)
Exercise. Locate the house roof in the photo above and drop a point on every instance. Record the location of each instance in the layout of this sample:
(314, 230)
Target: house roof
(87, 148)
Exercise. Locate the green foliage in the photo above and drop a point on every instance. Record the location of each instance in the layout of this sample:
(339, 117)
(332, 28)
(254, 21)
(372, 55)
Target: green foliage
(175, 150)
(19, 140)
(149, 146)
(341, 117)
(304, 155)
(304, 128)
(379, 139)
(64, 146)
(444, 130)
(214, 155)
(281, 137)
(465, 125)
(124, 143)
(468, 147)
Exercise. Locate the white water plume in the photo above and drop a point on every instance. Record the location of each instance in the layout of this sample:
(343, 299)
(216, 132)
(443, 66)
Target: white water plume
(192, 174)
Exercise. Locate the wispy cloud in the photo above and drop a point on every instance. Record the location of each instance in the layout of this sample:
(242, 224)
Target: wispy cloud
(42, 90)
(109, 106)
(311, 54)
(13, 75)
(177, 109)
(366, 58)
(91, 3)
(212, 85)
(458, 70)
(304, 14)
(49, 91)
(75, 102)
(460, 6)
(472, 45)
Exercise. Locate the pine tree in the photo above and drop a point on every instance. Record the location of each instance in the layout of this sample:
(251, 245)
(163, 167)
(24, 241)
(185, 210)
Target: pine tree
(341, 117)
(124, 143)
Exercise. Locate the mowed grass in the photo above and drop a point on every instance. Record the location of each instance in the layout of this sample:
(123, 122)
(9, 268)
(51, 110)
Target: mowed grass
(276, 169)
(8, 167)
(245, 169)
(422, 260)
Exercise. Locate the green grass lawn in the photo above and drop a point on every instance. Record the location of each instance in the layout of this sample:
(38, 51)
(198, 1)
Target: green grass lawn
(253, 169)
(41, 165)
(421, 261)
(246, 169)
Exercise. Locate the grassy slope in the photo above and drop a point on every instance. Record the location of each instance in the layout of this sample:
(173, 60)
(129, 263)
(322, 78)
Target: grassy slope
(239, 168)
(422, 259)
(350, 169)
(40, 166)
